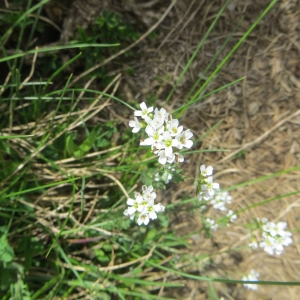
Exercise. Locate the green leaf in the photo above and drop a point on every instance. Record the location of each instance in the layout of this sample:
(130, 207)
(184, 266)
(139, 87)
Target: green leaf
(8, 275)
(150, 235)
(14, 136)
(86, 145)
(146, 179)
(70, 146)
(177, 177)
(212, 294)
(6, 252)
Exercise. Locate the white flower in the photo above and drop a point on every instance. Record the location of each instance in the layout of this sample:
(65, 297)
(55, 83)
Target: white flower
(167, 143)
(155, 136)
(162, 113)
(148, 193)
(143, 218)
(156, 122)
(166, 176)
(275, 229)
(204, 195)
(252, 276)
(144, 111)
(286, 238)
(150, 210)
(164, 133)
(211, 224)
(253, 245)
(210, 186)
(126, 213)
(220, 199)
(136, 125)
(274, 237)
(173, 127)
(231, 215)
(178, 157)
(206, 171)
(134, 205)
(184, 139)
(159, 208)
(163, 159)
(144, 205)
(269, 244)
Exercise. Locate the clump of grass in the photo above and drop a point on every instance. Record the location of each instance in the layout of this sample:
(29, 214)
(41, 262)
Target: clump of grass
(69, 166)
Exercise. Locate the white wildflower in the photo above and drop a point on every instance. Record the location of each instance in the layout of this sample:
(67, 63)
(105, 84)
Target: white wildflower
(210, 186)
(126, 213)
(184, 139)
(211, 224)
(164, 133)
(144, 111)
(274, 237)
(232, 216)
(220, 199)
(178, 157)
(174, 128)
(253, 245)
(136, 125)
(167, 143)
(206, 171)
(159, 208)
(155, 136)
(135, 205)
(156, 122)
(144, 206)
(252, 276)
(204, 195)
(162, 113)
(143, 218)
(163, 158)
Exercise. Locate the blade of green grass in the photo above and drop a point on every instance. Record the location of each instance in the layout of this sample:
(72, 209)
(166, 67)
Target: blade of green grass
(256, 180)
(219, 67)
(91, 91)
(59, 70)
(22, 17)
(212, 61)
(223, 280)
(183, 107)
(14, 136)
(196, 51)
(62, 227)
(39, 188)
(55, 48)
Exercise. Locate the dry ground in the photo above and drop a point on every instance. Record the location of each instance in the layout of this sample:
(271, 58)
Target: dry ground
(261, 115)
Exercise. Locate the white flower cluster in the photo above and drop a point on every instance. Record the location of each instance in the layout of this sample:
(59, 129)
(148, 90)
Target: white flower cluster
(206, 183)
(166, 176)
(209, 191)
(274, 237)
(252, 276)
(143, 204)
(211, 224)
(164, 133)
(220, 199)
